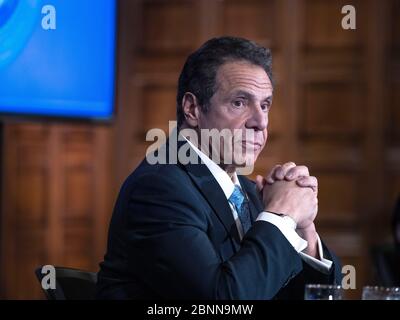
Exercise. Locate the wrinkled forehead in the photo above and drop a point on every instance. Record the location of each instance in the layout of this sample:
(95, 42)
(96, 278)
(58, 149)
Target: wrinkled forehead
(243, 75)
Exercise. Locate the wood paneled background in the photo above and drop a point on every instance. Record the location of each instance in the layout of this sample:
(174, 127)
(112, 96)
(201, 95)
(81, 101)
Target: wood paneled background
(336, 109)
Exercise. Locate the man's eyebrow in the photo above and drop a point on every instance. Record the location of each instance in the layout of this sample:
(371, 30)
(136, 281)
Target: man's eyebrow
(268, 99)
(249, 95)
(244, 93)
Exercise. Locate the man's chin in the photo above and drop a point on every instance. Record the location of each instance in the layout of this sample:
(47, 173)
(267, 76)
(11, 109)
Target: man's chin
(247, 160)
(246, 166)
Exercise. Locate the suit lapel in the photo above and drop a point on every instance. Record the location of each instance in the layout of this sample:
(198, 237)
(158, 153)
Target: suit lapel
(212, 192)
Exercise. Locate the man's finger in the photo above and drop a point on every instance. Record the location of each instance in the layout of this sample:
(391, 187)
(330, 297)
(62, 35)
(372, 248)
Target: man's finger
(310, 182)
(260, 182)
(270, 177)
(281, 172)
(296, 172)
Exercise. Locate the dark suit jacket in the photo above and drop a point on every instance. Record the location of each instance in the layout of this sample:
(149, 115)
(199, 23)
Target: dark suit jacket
(172, 236)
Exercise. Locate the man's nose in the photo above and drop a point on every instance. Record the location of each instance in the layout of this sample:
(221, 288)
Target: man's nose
(258, 119)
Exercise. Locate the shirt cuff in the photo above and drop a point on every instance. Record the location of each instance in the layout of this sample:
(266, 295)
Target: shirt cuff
(287, 226)
(323, 265)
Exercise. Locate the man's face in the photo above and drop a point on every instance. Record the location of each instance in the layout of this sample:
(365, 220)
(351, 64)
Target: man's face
(242, 101)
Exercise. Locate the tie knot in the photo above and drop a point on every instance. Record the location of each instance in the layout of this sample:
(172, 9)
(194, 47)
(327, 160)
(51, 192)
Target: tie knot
(237, 197)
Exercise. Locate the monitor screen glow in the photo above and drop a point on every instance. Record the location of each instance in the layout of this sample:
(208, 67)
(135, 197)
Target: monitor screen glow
(57, 58)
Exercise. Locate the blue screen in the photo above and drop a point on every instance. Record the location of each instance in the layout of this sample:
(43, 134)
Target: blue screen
(57, 57)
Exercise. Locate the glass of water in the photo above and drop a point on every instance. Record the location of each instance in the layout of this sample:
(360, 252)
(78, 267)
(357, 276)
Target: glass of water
(323, 292)
(381, 293)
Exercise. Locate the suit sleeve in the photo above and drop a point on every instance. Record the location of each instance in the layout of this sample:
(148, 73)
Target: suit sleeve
(310, 275)
(168, 246)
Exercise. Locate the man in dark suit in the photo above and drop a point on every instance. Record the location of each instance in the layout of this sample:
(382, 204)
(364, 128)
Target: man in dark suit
(197, 229)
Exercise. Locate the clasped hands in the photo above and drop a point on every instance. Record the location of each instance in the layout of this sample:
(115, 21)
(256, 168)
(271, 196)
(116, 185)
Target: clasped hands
(290, 190)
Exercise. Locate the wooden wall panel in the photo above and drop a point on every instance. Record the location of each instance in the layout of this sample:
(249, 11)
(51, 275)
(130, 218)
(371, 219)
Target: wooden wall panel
(337, 197)
(262, 14)
(166, 25)
(393, 120)
(323, 25)
(32, 185)
(49, 205)
(79, 244)
(332, 109)
(276, 123)
(25, 209)
(330, 154)
(30, 252)
(395, 25)
(78, 193)
(159, 106)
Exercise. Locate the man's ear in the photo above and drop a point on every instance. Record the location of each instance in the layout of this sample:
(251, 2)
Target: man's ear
(191, 109)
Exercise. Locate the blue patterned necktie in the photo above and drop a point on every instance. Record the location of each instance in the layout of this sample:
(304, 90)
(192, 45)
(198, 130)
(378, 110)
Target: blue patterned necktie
(241, 204)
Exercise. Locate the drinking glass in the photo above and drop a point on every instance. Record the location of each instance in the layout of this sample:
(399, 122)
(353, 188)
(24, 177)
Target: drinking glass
(323, 292)
(380, 293)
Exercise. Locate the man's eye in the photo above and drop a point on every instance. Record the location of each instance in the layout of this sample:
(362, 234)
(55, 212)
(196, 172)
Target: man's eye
(265, 107)
(238, 103)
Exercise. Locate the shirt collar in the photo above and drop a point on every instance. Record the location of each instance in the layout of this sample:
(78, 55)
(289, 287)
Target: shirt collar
(225, 182)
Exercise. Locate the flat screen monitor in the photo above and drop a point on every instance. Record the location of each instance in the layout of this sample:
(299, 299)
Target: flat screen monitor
(57, 58)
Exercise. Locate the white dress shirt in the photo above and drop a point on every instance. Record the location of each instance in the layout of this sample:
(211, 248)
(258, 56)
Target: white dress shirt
(285, 224)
